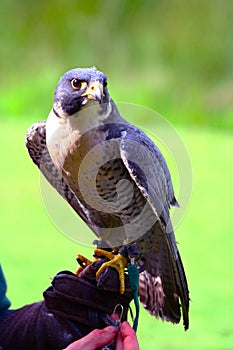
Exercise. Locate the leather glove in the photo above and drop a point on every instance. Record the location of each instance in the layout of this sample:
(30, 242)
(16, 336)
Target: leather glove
(72, 307)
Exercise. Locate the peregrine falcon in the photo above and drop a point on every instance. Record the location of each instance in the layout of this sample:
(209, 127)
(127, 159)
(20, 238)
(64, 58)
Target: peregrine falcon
(118, 181)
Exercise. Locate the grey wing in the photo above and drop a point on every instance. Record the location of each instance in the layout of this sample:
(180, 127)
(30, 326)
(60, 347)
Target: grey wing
(163, 281)
(148, 168)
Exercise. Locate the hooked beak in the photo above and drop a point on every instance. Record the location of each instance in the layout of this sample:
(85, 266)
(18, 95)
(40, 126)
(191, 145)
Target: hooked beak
(94, 91)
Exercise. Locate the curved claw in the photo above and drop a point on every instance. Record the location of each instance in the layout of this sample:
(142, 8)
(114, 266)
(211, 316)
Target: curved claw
(83, 262)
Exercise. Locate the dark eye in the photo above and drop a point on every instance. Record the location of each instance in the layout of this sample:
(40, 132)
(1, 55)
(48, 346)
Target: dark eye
(78, 84)
(105, 84)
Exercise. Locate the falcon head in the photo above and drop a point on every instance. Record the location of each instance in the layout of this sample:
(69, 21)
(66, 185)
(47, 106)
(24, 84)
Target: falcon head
(80, 88)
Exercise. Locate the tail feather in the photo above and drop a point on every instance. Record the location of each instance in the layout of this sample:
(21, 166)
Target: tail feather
(181, 280)
(154, 300)
(184, 292)
(163, 284)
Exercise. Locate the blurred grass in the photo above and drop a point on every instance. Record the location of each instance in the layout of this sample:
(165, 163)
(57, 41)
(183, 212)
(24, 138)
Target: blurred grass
(174, 55)
(32, 250)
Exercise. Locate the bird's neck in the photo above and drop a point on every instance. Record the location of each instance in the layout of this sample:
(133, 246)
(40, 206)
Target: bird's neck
(63, 132)
(90, 117)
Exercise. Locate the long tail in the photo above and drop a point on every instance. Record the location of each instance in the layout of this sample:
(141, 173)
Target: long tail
(163, 284)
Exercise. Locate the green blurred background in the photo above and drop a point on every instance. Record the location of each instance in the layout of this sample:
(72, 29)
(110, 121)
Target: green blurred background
(173, 56)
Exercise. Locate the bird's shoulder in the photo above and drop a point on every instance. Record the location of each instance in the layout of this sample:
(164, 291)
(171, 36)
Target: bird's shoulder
(129, 132)
(138, 149)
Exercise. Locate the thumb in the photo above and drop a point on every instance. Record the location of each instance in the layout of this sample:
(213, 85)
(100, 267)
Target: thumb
(129, 337)
(94, 340)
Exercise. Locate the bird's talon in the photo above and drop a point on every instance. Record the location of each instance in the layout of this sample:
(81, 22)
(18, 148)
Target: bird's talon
(83, 262)
(118, 262)
(98, 253)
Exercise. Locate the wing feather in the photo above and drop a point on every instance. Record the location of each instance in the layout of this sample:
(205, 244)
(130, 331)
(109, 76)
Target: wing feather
(163, 281)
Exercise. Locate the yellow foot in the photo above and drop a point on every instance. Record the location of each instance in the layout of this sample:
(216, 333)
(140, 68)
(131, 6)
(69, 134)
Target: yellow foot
(83, 262)
(118, 261)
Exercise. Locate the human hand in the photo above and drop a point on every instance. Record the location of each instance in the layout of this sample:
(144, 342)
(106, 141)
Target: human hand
(94, 340)
(126, 339)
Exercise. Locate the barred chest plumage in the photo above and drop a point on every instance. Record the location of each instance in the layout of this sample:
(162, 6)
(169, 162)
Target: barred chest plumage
(92, 166)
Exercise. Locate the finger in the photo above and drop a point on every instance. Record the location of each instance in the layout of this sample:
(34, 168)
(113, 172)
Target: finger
(114, 317)
(119, 342)
(95, 339)
(129, 337)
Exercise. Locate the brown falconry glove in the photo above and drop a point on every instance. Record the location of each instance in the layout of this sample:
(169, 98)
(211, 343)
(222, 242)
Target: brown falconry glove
(72, 307)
